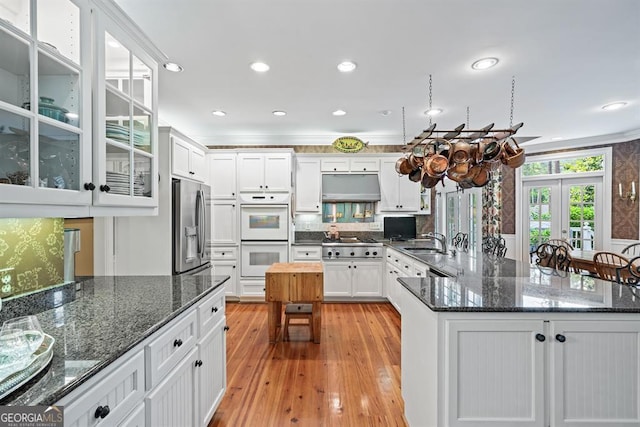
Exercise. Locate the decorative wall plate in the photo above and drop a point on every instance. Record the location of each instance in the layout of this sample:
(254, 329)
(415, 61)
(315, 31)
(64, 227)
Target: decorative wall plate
(349, 144)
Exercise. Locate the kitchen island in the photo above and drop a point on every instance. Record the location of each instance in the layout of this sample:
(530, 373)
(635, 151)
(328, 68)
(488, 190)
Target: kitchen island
(500, 343)
(106, 328)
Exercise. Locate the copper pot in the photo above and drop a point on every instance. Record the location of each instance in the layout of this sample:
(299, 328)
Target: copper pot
(436, 164)
(416, 159)
(489, 150)
(428, 181)
(512, 157)
(415, 175)
(403, 166)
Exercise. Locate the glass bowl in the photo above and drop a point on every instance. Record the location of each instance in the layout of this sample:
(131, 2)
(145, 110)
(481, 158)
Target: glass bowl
(30, 328)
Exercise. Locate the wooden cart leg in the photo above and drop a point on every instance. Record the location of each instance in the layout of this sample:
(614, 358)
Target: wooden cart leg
(273, 320)
(317, 322)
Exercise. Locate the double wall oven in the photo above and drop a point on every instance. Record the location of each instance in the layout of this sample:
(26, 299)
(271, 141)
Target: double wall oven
(264, 232)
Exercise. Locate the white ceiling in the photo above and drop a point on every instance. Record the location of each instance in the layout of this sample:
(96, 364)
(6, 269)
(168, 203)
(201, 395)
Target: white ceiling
(569, 58)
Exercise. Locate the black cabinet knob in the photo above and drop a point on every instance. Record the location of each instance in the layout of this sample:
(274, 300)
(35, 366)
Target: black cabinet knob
(364, 169)
(355, 266)
(226, 328)
(418, 274)
(105, 188)
(198, 363)
(233, 194)
(375, 253)
(102, 411)
(191, 173)
(560, 338)
(177, 342)
(349, 266)
(540, 337)
(307, 253)
(89, 186)
(261, 186)
(367, 253)
(353, 253)
(335, 169)
(266, 186)
(401, 206)
(214, 309)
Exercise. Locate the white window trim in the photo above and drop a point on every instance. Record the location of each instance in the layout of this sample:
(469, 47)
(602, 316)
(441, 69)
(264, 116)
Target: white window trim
(606, 175)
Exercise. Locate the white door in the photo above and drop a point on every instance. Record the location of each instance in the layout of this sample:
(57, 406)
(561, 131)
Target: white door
(337, 278)
(180, 157)
(366, 279)
(250, 172)
(277, 172)
(211, 375)
(198, 165)
(227, 268)
(222, 176)
(308, 181)
(171, 403)
(461, 211)
(223, 222)
(595, 373)
(496, 373)
(563, 208)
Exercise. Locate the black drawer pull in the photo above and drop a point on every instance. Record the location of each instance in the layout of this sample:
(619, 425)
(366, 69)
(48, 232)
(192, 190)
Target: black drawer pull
(102, 411)
(177, 343)
(540, 337)
(214, 309)
(560, 338)
(198, 363)
(226, 328)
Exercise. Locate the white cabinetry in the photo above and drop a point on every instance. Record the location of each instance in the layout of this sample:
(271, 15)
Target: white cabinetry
(211, 372)
(306, 253)
(492, 369)
(353, 279)
(222, 175)
(112, 398)
(308, 184)
(258, 172)
(398, 193)
(224, 222)
(188, 160)
(225, 261)
(340, 164)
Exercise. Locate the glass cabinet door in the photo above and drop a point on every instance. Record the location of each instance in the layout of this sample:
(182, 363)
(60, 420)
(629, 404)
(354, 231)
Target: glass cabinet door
(126, 128)
(44, 97)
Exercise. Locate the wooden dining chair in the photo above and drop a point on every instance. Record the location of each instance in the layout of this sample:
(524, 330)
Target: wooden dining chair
(632, 250)
(561, 242)
(607, 264)
(630, 273)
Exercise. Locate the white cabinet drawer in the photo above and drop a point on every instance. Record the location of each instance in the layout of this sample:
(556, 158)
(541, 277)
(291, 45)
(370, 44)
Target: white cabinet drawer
(227, 252)
(334, 165)
(364, 165)
(210, 311)
(163, 353)
(307, 253)
(116, 395)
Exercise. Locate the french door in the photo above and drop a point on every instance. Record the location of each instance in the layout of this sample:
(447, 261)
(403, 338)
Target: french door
(461, 211)
(563, 208)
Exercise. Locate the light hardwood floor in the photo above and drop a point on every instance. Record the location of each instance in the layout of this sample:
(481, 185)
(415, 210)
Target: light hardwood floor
(352, 378)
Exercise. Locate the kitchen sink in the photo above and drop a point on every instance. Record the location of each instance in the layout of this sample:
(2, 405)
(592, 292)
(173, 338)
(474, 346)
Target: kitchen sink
(423, 250)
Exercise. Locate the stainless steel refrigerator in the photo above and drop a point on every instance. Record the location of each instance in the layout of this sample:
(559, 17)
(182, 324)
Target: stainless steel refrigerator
(191, 227)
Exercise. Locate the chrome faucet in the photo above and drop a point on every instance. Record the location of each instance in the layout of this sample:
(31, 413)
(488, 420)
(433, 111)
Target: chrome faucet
(440, 238)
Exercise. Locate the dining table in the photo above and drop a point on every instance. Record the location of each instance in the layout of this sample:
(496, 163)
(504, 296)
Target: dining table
(582, 260)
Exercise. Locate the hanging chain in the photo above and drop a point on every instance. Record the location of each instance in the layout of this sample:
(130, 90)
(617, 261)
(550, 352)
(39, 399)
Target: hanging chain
(513, 91)
(467, 117)
(404, 132)
(430, 97)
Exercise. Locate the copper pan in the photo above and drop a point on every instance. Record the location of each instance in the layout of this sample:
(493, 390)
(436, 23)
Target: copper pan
(403, 167)
(437, 164)
(512, 157)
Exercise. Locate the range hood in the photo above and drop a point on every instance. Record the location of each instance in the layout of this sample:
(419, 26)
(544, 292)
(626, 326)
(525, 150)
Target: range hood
(350, 188)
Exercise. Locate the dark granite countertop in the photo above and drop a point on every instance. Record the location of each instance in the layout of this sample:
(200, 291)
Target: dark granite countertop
(97, 320)
(479, 282)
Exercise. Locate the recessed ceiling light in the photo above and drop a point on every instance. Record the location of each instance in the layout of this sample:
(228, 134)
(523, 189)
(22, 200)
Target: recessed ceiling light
(433, 112)
(219, 113)
(339, 113)
(484, 63)
(614, 106)
(113, 43)
(173, 67)
(279, 113)
(385, 113)
(347, 66)
(260, 67)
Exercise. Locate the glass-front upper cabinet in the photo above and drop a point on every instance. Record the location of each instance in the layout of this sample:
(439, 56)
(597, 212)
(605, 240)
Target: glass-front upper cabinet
(125, 124)
(45, 102)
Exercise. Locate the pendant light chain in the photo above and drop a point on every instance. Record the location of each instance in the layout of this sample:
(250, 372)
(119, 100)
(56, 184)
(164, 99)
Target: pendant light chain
(430, 97)
(467, 117)
(513, 91)
(404, 132)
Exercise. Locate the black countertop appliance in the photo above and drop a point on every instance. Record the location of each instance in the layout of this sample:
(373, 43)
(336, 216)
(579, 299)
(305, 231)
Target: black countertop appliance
(400, 227)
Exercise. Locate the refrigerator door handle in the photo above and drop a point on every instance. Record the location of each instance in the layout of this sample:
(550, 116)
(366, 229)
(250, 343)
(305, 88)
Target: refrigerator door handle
(199, 221)
(203, 223)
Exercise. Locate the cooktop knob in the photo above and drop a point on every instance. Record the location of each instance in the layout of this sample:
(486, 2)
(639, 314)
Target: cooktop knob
(329, 253)
(375, 253)
(337, 253)
(353, 253)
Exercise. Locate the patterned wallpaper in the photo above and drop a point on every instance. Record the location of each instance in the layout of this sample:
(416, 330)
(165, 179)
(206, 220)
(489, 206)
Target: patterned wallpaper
(508, 200)
(31, 254)
(626, 168)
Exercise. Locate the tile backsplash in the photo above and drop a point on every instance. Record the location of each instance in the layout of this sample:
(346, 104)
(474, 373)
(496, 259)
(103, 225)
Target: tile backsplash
(31, 254)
